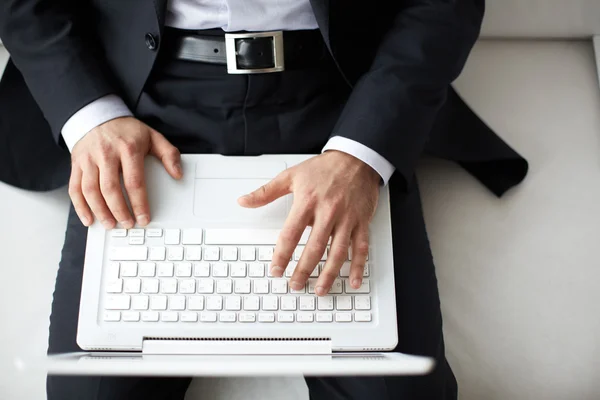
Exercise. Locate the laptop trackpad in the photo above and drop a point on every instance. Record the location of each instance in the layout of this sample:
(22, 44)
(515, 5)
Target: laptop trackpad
(218, 187)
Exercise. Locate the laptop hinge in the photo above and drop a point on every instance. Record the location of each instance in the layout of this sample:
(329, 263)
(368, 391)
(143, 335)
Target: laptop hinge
(236, 346)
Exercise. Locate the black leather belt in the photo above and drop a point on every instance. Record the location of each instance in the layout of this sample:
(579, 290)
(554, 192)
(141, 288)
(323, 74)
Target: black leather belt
(250, 53)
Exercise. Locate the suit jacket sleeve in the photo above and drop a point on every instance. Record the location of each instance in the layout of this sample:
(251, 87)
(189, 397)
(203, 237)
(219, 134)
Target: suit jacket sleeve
(393, 106)
(58, 56)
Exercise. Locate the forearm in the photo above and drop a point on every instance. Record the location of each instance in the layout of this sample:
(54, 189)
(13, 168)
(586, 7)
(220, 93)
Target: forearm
(51, 45)
(394, 105)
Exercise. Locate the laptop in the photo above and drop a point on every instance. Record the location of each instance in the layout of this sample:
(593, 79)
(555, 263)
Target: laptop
(190, 294)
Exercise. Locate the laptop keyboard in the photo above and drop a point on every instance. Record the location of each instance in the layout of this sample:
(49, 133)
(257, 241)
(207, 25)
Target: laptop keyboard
(219, 276)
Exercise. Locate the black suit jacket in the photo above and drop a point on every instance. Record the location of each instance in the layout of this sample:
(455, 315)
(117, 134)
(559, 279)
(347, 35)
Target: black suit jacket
(399, 56)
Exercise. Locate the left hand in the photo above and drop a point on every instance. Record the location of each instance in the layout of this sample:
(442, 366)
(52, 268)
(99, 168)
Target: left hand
(334, 193)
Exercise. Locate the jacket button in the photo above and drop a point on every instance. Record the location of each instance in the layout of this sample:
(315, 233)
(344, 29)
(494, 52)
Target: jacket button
(151, 41)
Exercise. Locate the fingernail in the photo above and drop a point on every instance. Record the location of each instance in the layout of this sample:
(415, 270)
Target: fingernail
(108, 223)
(356, 283)
(128, 224)
(296, 285)
(320, 291)
(85, 221)
(276, 271)
(143, 219)
(177, 167)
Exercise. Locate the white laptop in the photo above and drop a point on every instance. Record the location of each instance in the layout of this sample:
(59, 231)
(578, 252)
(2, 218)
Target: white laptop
(191, 294)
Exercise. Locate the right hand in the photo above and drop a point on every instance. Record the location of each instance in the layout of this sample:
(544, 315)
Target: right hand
(115, 147)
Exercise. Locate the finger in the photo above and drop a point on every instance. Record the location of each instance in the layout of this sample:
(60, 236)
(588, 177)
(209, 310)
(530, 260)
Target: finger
(271, 191)
(360, 251)
(288, 239)
(91, 191)
(79, 204)
(110, 187)
(311, 255)
(338, 253)
(166, 153)
(135, 184)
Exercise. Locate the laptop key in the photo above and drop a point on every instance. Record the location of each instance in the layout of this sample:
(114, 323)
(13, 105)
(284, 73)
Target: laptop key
(233, 303)
(256, 270)
(324, 317)
(150, 286)
(169, 316)
(196, 303)
(128, 253)
(362, 316)
(183, 269)
(364, 287)
(343, 317)
(208, 316)
(164, 270)
(189, 316)
(158, 254)
(154, 232)
(131, 316)
(307, 303)
(230, 253)
(362, 302)
(192, 236)
(158, 302)
(172, 236)
(248, 253)
(117, 302)
(269, 303)
(112, 316)
(227, 317)
(206, 286)
(242, 286)
(247, 317)
(261, 286)
(214, 303)
(303, 316)
(193, 253)
(136, 233)
(128, 269)
(118, 232)
(336, 288)
(266, 317)
(288, 303)
(139, 302)
(177, 303)
(343, 302)
(251, 303)
(324, 303)
(132, 285)
(150, 316)
(175, 253)
(115, 286)
(285, 317)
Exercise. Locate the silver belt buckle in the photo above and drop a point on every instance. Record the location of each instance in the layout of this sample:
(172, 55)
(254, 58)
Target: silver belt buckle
(278, 61)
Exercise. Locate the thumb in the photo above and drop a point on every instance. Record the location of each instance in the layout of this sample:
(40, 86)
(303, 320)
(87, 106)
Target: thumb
(271, 191)
(166, 153)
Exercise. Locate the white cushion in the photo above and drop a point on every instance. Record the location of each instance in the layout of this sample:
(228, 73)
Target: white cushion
(518, 276)
(541, 18)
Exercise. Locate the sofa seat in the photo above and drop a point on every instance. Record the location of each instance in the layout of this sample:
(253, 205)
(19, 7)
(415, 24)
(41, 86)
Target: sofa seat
(517, 275)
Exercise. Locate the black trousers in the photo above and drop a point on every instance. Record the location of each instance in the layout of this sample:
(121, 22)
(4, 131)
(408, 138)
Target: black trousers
(201, 109)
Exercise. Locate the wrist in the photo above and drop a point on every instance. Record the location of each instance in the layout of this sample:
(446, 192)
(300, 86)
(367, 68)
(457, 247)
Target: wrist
(353, 165)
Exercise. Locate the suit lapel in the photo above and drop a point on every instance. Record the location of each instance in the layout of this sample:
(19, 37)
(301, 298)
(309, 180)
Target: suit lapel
(321, 10)
(161, 9)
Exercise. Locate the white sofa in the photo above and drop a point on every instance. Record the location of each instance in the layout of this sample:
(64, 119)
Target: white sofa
(517, 276)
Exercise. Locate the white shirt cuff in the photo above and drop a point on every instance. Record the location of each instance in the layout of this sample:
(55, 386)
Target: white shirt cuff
(94, 114)
(370, 157)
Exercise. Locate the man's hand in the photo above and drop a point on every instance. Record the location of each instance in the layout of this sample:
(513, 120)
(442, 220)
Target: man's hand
(334, 193)
(115, 147)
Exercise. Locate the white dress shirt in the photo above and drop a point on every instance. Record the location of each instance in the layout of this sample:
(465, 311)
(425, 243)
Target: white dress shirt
(231, 16)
